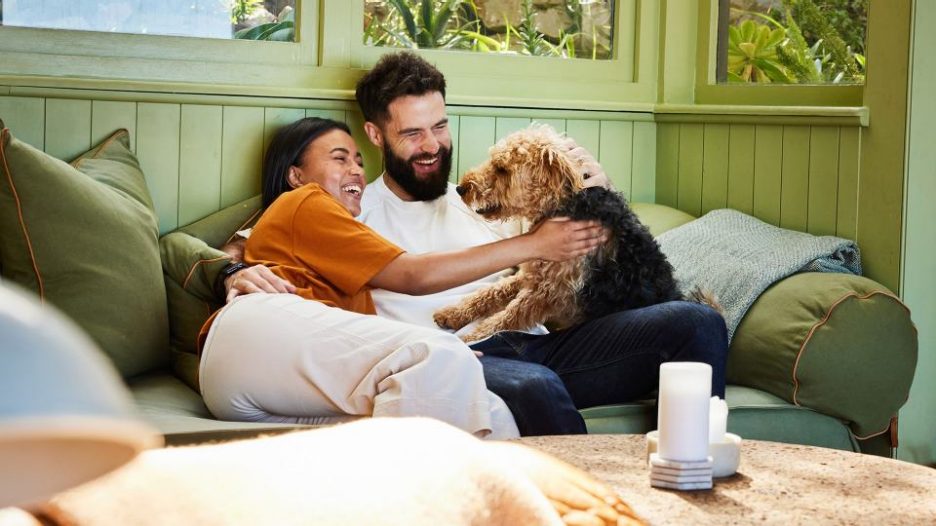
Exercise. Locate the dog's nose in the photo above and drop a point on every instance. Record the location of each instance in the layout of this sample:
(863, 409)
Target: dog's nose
(461, 190)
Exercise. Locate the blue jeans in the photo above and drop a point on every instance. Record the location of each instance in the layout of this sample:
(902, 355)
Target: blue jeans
(545, 379)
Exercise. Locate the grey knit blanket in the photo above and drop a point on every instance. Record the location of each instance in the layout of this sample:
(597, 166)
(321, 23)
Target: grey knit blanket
(737, 257)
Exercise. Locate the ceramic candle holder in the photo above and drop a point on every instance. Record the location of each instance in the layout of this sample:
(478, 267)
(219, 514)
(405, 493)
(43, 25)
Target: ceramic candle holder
(726, 455)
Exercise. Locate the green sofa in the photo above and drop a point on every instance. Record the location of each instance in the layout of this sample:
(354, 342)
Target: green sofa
(820, 359)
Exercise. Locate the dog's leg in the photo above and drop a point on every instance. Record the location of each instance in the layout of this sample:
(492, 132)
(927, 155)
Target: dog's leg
(478, 305)
(523, 312)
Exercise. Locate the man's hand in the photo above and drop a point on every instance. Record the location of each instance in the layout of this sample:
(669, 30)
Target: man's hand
(591, 171)
(257, 278)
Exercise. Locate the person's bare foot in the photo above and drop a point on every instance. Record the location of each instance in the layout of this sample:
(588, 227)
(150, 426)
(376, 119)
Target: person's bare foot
(579, 498)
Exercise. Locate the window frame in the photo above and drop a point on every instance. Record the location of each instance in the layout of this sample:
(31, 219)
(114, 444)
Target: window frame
(709, 91)
(626, 81)
(158, 59)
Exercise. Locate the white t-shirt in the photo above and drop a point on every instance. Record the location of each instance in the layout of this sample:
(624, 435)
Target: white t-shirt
(419, 227)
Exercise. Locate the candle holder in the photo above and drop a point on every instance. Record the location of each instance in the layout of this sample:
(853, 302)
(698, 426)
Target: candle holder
(682, 459)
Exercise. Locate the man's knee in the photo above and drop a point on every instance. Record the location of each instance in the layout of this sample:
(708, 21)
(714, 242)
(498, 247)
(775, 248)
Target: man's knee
(702, 329)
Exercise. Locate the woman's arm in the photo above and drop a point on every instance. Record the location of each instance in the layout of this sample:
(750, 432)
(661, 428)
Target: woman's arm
(553, 240)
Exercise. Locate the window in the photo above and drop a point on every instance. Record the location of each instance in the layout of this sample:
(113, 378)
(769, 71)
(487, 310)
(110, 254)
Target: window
(553, 28)
(792, 41)
(224, 19)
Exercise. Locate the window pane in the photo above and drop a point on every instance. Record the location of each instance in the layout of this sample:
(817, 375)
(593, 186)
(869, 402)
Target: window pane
(552, 28)
(247, 19)
(792, 41)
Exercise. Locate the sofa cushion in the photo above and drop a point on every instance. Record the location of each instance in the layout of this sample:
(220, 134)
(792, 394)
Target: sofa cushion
(840, 344)
(83, 236)
(190, 263)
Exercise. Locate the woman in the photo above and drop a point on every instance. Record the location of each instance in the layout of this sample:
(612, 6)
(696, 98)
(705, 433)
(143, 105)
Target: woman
(320, 355)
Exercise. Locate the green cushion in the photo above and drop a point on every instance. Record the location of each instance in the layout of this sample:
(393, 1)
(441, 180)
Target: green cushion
(83, 236)
(840, 344)
(191, 264)
(660, 218)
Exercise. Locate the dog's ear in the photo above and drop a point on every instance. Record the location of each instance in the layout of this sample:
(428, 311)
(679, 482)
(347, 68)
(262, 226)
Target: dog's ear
(559, 169)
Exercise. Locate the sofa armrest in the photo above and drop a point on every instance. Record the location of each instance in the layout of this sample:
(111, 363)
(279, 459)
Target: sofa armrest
(840, 344)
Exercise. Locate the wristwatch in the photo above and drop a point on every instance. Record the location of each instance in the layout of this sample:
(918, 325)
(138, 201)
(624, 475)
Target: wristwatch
(232, 268)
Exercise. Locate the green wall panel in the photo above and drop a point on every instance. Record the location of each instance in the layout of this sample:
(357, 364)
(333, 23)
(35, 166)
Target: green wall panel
(504, 126)
(199, 161)
(275, 118)
(741, 168)
(67, 127)
(335, 115)
(558, 124)
(768, 163)
(107, 116)
(373, 160)
(667, 155)
(616, 144)
(846, 215)
(715, 142)
(475, 136)
(454, 131)
(643, 167)
(794, 179)
(823, 180)
(25, 117)
(158, 137)
(586, 133)
(689, 186)
(241, 153)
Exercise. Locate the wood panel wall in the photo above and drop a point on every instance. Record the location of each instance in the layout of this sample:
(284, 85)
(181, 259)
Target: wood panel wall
(798, 177)
(199, 158)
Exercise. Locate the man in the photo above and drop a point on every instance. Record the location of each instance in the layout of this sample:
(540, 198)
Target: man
(542, 376)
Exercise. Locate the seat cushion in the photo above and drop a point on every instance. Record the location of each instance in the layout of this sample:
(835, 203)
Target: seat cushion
(83, 236)
(753, 414)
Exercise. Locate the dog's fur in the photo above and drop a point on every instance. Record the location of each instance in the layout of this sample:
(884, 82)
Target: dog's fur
(530, 176)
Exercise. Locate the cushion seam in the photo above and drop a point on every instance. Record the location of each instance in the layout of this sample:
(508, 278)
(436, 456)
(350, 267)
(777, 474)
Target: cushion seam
(19, 213)
(100, 148)
(825, 320)
(188, 277)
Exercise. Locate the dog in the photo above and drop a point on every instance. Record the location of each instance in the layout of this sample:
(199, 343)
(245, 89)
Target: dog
(530, 176)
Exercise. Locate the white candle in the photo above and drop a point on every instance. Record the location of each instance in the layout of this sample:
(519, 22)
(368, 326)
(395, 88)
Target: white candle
(683, 417)
(718, 420)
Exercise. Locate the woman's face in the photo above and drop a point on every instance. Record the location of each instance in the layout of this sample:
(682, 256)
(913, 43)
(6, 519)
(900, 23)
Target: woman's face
(334, 162)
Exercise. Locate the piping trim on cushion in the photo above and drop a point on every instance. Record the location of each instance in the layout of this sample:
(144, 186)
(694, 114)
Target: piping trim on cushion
(191, 272)
(19, 213)
(825, 319)
(101, 147)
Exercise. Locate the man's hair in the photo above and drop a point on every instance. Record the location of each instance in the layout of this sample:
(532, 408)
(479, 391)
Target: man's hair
(396, 75)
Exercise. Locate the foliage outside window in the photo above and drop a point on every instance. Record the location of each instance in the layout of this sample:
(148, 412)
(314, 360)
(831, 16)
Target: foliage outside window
(793, 41)
(552, 28)
(224, 19)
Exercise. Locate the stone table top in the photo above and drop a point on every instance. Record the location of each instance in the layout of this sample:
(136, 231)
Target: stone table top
(775, 484)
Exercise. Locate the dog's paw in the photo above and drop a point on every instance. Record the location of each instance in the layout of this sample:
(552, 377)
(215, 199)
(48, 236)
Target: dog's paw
(451, 318)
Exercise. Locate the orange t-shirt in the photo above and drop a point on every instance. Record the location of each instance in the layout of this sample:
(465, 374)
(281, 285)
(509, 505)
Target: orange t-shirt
(310, 239)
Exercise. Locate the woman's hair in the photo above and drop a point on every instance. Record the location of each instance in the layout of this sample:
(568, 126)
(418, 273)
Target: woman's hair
(286, 149)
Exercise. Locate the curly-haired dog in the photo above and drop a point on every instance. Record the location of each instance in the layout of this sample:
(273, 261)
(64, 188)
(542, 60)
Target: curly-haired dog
(529, 176)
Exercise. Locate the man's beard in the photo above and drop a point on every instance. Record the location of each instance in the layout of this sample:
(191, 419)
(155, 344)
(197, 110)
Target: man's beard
(432, 187)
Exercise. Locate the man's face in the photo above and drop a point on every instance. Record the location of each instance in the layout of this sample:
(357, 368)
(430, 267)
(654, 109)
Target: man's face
(417, 145)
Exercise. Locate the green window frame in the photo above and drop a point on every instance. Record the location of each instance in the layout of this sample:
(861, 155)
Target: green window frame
(625, 82)
(709, 91)
(205, 65)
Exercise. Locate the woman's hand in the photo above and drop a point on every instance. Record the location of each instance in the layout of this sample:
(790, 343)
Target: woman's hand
(559, 239)
(257, 278)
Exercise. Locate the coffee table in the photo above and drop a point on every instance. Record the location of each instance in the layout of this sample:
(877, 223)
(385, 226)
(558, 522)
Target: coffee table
(775, 484)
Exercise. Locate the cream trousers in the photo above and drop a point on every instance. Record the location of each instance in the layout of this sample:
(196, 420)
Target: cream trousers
(281, 358)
